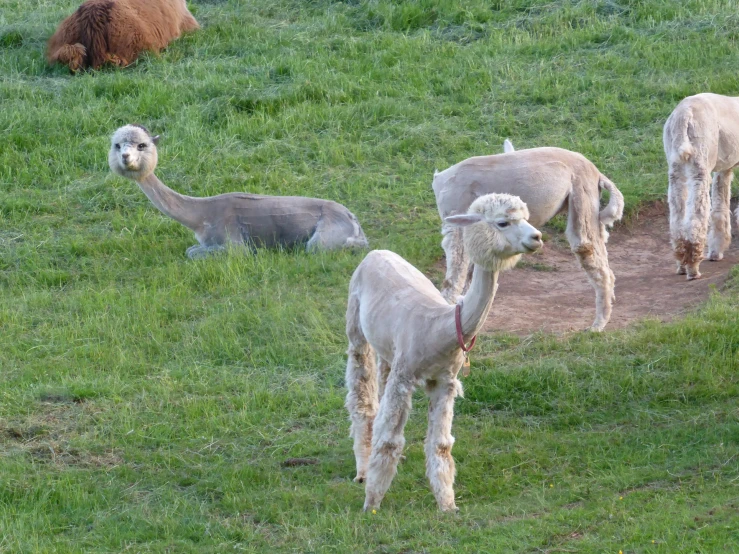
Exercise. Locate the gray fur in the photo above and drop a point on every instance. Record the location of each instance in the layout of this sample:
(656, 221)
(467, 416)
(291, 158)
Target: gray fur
(235, 218)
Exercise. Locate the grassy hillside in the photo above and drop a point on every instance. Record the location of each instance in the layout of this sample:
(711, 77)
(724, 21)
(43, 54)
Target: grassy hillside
(148, 402)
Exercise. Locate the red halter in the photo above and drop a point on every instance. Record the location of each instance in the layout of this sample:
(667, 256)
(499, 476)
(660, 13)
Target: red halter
(460, 338)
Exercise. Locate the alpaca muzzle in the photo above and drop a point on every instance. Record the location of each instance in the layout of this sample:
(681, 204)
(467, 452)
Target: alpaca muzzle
(534, 242)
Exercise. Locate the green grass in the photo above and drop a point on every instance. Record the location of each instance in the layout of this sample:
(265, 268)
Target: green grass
(147, 402)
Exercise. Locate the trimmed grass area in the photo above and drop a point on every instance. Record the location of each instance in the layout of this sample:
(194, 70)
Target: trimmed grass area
(148, 402)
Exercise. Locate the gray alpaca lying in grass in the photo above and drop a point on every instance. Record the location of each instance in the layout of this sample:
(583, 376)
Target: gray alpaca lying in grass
(237, 217)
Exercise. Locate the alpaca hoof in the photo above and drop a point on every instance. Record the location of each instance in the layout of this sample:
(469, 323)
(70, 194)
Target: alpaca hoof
(115, 60)
(371, 502)
(693, 276)
(370, 507)
(449, 508)
(715, 256)
(596, 328)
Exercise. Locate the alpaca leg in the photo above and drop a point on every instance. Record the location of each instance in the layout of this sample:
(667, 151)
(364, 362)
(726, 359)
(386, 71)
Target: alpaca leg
(388, 440)
(677, 195)
(116, 60)
(468, 279)
(457, 263)
(198, 251)
(587, 237)
(719, 235)
(594, 260)
(188, 23)
(71, 55)
(361, 384)
(384, 374)
(440, 468)
(695, 222)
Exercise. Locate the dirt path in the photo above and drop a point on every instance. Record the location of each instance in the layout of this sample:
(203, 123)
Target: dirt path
(550, 292)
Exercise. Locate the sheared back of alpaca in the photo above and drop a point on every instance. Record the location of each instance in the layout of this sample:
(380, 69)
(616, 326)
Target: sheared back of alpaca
(117, 31)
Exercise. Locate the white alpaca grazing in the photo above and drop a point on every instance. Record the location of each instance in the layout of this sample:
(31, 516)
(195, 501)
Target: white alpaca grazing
(398, 319)
(548, 180)
(701, 136)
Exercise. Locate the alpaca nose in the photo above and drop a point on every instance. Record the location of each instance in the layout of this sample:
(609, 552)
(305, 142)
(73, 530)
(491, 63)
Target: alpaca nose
(125, 156)
(534, 242)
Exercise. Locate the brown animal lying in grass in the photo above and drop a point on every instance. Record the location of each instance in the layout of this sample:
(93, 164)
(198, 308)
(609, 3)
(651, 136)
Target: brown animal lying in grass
(117, 31)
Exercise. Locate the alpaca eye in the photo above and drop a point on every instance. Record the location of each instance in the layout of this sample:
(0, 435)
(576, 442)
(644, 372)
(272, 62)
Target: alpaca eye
(117, 146)
(503, 224)
(142, 146)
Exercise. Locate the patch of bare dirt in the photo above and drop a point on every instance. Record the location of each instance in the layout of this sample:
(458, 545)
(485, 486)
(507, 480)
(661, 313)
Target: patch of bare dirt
(549, 291)
(46, 435)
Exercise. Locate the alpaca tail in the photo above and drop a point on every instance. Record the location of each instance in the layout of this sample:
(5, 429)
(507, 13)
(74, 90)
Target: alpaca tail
(93, 20)
(678, 125)
(508, 146)
(71, 55)
(357, 240)
(614, 210)
(685, 149)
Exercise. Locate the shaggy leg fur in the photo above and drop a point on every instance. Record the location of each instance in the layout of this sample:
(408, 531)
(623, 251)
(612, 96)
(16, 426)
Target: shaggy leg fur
(587, 238)
(457, 263)
(677, 194)
(468, 279)
(719, 235)
(594, 260)
(440, 468)
(188, 23)
(388, 440)
(384, 374)
(361, 383)
(695, 223)
(116, 60)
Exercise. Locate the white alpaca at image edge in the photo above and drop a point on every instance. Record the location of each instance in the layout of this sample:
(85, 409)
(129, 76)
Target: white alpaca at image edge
(701, 136)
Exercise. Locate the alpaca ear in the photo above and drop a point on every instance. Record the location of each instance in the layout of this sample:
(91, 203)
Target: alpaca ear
(155, 139)
(508, 146)
(463, 220)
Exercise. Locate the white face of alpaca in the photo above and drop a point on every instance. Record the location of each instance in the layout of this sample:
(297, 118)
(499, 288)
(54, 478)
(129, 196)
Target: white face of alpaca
(508, 228)
(133, 152)
(520, 235)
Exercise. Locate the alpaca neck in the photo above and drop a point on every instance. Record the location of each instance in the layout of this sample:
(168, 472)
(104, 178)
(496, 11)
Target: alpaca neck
(478, 300)
(181, 208)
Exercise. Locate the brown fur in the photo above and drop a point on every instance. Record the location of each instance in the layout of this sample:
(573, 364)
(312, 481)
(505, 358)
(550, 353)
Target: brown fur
(117, 31)
(688, 253)
(584, 250)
